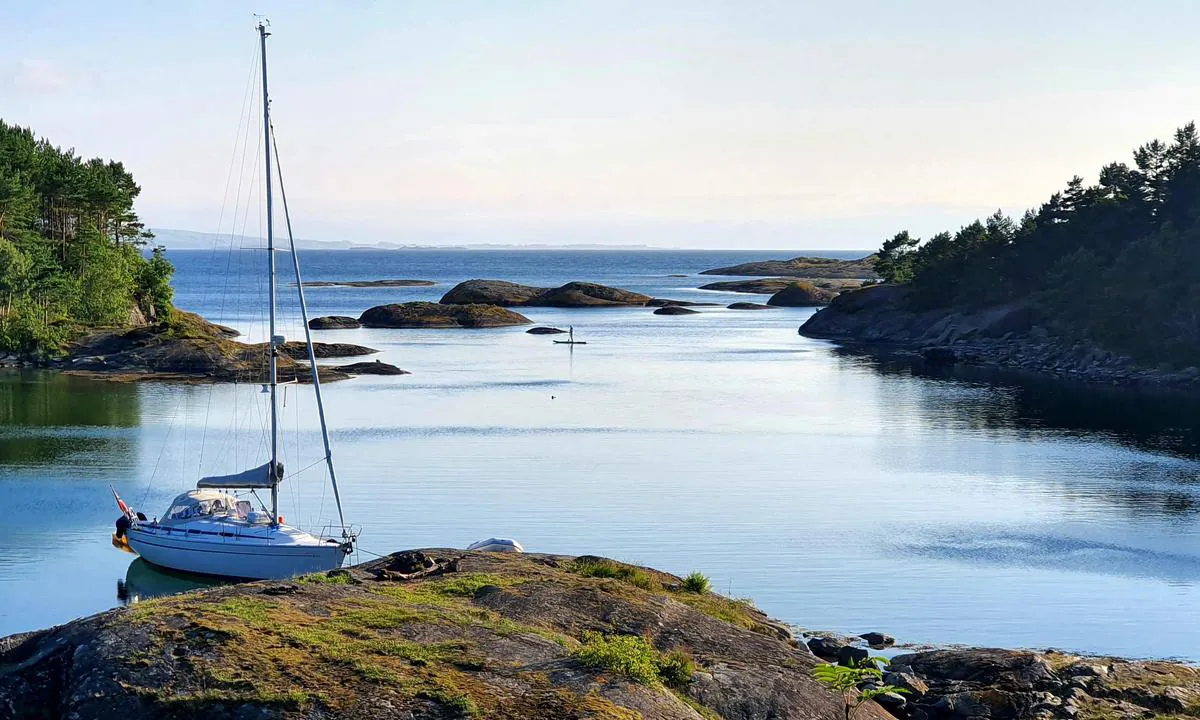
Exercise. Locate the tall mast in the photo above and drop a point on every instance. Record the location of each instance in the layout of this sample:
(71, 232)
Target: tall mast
(273, 469)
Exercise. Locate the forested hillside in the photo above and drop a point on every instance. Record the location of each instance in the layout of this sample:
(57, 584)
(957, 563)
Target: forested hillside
(70, 246)
(1114, 264)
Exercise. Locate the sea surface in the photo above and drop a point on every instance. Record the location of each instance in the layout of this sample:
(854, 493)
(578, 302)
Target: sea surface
(836, 490)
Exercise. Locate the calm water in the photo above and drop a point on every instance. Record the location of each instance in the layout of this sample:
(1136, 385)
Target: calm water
(838, 491)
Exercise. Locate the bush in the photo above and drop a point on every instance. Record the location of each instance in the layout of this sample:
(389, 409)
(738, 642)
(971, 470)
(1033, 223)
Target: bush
(676, 668)
(635, 658)
(696, 582)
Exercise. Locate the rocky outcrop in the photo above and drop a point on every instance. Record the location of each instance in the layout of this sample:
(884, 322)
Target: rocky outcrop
(804, 267)
(545, 331)
(770, 286)
(377, 367)
(433, 634)
(299, 351)
(571, 295)
(759, 286)
(675, 310)
(801, 294)
(1014, 335)
(369, 283)
(186, 347)
(1017, 684)
(749, 306)
(440, 315)
(491, 292)
(663, 302)
(334, 322)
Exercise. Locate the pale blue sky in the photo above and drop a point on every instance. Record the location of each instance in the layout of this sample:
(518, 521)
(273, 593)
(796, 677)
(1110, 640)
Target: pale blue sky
(688, 123)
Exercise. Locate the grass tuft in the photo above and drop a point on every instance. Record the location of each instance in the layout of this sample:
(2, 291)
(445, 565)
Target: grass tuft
(333, 577)
(605, 568)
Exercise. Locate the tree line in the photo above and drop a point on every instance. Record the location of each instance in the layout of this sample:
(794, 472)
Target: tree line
(71, 246)
(1113, 263)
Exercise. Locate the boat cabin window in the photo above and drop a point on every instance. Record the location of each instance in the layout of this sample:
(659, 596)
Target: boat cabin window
(189, 506)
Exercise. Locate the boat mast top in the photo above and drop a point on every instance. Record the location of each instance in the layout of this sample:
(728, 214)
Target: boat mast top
(273, 342)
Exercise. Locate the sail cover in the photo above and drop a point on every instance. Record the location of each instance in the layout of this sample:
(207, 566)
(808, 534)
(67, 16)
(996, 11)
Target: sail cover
(259, 477)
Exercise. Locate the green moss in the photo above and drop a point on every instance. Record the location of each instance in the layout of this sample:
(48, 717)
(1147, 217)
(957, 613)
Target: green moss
(457, 702)
(736, 612)
(255, 611)
(188, 704)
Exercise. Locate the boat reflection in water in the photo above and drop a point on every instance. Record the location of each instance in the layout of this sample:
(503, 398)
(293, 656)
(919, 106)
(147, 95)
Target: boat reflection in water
(144, 581)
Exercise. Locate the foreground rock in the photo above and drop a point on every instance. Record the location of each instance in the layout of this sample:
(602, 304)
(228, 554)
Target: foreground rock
(187, 347)
(378, 367)
(571, 295)
(804, 267)
(474, 635)
(675, 310)
(545, 331)
(439, 315)
(1013, 685)
(334, 322)
(369, 283)
(1015, 335)
(801, 294)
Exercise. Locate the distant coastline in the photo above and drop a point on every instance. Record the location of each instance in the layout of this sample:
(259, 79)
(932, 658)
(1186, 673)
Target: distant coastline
(173, 239)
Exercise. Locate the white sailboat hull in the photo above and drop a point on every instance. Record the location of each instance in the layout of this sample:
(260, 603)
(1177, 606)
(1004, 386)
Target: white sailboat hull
(276, 554)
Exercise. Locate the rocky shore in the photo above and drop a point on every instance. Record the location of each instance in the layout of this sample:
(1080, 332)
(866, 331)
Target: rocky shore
(455, 634)
(1001, 684)
(1013, 336)
(188, 348)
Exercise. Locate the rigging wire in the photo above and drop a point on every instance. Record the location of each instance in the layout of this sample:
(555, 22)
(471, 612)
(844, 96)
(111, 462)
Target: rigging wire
(241, 135)
(316, 379)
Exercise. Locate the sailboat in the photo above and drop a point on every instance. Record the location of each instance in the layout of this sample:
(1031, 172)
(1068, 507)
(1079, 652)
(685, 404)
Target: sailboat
(210, 530)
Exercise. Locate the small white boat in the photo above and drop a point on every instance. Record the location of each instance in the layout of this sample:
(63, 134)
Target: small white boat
(212, 531)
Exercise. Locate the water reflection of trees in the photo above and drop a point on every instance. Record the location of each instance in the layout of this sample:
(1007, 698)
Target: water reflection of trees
(46, 417)
(982, 398)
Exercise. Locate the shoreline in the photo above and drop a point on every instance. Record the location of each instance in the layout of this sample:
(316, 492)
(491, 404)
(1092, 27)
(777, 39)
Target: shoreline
(473, 626)
(1006, 338)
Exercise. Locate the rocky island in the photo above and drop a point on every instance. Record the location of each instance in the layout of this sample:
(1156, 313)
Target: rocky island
(453, 634)
(440, 315)
(804, 267)
(571, 295)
